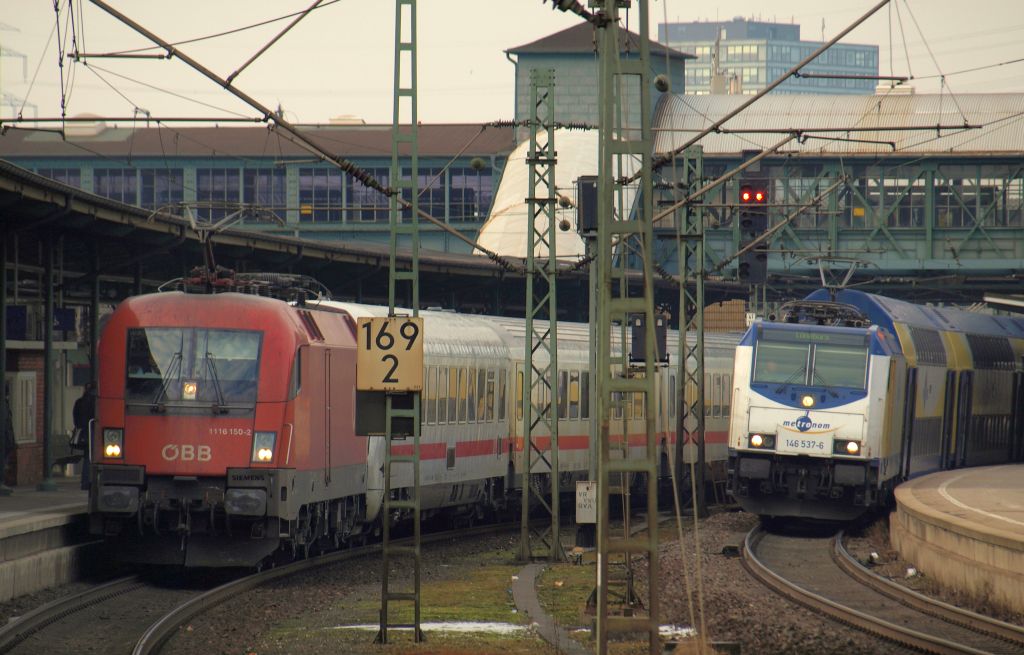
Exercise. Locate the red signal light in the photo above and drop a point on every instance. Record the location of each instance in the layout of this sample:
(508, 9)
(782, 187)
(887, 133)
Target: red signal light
(752, 194)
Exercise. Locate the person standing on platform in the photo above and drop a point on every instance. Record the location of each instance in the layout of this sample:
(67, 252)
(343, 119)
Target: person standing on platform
(83, 412)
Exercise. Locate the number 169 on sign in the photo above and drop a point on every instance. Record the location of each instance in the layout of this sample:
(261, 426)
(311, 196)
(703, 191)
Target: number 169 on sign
(389, 354)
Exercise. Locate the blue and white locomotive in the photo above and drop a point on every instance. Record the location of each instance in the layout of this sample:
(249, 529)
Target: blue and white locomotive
(841, 399)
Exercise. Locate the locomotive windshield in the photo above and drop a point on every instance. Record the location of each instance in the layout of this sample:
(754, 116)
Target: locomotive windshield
(191, 366)
(811, 358)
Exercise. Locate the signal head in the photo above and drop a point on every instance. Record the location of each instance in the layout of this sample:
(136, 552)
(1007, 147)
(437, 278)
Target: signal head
(753, 195)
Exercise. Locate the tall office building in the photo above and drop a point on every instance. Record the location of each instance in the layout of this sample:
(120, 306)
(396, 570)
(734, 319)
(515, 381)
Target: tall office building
(752, 54)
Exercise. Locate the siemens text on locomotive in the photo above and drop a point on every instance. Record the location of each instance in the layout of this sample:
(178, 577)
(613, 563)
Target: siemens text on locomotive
(226, 432)
(840, 400)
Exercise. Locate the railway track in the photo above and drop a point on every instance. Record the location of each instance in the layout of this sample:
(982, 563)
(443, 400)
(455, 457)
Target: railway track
(134, 615)
(817, 572)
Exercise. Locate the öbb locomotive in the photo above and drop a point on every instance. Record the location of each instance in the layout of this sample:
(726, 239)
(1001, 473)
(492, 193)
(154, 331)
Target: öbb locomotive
(843, 398)
(226, 434)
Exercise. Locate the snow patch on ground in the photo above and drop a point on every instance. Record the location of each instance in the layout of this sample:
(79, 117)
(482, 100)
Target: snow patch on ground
(448, 626)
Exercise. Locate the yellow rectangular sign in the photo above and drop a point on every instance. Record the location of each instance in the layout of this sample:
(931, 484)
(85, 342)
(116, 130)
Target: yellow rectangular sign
(389, 356)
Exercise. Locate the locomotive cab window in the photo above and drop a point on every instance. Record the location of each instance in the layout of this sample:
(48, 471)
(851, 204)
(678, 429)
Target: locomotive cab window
(183, 367)
(811, 358)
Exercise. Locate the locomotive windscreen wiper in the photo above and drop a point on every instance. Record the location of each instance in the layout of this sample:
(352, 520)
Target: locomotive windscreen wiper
(825, 383)
(219, 407)
(155, 405)
(792, 378)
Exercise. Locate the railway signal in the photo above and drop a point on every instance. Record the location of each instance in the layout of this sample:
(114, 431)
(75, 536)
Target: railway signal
(753, 217)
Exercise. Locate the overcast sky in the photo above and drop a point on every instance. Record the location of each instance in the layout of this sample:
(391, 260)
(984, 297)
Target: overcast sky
(339, 60)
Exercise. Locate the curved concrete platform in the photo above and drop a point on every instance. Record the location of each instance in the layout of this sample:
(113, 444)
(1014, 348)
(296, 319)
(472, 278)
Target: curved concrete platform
(41, 538)
(965, 529)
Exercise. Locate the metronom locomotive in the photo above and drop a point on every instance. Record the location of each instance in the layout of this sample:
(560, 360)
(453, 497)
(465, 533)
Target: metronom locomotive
(843, 398)
(226, 433)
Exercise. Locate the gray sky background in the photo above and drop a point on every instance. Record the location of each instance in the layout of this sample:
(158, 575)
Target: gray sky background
(339, 60)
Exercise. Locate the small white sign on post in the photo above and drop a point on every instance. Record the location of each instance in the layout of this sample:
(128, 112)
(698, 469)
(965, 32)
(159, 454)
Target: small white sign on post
(586, 502)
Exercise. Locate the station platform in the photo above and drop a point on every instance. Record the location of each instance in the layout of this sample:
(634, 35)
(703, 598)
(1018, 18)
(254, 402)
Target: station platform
(42, 535)
(965, 529)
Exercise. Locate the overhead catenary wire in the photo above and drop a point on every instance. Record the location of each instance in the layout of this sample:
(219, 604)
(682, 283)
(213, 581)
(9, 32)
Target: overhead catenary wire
(935, 61)
(207, 37)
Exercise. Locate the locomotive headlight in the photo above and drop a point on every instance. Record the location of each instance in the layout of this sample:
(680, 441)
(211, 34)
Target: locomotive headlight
(113, 443)
(807, 400)
(764, 441)
(846, 447)
(263, 446)
(188, 389)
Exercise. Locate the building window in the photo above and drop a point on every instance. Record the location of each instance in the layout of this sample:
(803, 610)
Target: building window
(366, 204)
(162, 187)
(320, 195)
(217, 192)
(119, 184)
(431, 193)
(265, 188)
(69, 176)
(471, 193)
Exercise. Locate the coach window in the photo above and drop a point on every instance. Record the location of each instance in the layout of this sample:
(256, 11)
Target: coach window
(481, 394)
(502, 381)
(519, 395)
(617, 404)
(453, 394)
(489, 397)
(638, 405)
(574, 395)
(585, 394)
(708, 391)
(430, 394)
(726, 395)
(442, 395)
(471, 395)
(673, 402)
(462, 395)
(563, 394)
(716, 398)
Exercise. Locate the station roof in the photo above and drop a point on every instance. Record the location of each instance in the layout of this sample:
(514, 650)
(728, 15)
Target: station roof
(99, 238)
(579, 39)
(1000, 115)
(139, 140)
(102, 237)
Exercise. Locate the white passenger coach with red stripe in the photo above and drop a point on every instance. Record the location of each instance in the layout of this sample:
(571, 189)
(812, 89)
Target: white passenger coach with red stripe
(226, 427)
